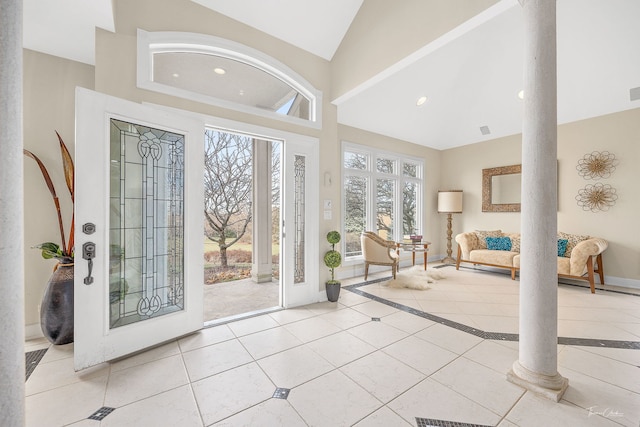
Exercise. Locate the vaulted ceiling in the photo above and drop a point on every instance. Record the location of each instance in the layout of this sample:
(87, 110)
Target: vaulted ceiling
(470, 76)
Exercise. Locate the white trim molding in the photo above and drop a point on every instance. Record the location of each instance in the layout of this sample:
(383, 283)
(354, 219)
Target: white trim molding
(150, 43)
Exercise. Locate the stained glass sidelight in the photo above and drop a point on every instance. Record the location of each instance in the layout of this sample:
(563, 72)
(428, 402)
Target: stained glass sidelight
(299, 223)
(146, 223)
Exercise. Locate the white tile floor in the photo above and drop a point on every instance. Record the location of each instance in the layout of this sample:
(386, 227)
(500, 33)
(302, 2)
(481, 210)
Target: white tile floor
(345, 369)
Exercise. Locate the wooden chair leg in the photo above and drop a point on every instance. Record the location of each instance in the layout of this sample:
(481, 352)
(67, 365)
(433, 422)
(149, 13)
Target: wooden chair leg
(394, 268)
(366, 270)
(458, 259)
(600, 268)
(591, 275)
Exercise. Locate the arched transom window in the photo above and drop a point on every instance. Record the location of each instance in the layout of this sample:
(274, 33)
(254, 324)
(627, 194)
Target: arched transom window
(221, 72)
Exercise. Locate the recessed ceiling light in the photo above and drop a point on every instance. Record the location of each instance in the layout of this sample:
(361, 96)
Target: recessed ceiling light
(521, 94)
(176, 75)
(421, 100)
(219, 70)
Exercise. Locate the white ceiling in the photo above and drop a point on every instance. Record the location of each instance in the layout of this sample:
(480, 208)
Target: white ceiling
(471, 75)
(315, 26)
(65, 28)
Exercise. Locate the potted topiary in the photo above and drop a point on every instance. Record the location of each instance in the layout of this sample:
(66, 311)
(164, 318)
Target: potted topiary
(333, 259)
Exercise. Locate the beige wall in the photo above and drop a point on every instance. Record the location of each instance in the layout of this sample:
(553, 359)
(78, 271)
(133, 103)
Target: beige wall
(49, 105)
(617, 133)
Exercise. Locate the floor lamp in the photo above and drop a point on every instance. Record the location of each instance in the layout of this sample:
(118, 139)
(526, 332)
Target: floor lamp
(449, 202)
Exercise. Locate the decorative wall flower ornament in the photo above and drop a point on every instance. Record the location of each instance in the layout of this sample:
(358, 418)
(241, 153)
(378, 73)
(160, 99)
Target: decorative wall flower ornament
(597, 197)
(597, 165)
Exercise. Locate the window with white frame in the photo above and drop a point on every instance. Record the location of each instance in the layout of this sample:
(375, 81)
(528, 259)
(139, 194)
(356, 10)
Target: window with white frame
(382, 193)
(227, 74)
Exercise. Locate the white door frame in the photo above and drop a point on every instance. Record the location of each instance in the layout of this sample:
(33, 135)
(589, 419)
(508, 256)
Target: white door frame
(307, 292)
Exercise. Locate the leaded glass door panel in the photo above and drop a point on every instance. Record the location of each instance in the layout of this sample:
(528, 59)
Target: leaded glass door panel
(300, 225)
(139, 181)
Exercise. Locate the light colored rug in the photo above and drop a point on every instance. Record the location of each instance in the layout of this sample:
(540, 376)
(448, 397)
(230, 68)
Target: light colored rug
(415, 278)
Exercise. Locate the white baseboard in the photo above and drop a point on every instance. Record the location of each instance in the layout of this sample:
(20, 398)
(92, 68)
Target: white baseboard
(356, 268)
(622, 282)
(33, 331)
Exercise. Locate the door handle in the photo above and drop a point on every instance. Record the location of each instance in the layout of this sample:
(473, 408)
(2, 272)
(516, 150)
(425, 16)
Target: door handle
(89, 253)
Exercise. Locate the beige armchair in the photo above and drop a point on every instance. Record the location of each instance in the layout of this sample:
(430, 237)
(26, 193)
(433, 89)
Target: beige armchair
(377, 251)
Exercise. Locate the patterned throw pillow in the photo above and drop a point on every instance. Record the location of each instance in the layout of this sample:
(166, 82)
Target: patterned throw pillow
(499, 243)
(482, 236)
(562, 246)
(573, 240)
(515, 244)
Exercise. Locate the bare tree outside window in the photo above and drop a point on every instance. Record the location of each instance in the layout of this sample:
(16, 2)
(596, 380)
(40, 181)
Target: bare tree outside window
(227, 188)
(409, 208)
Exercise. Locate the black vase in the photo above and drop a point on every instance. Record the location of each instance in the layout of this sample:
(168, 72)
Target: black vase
(333, 291)
(56, 310)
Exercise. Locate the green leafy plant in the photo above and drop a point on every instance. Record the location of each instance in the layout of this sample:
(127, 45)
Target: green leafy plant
(332, 258)
(64, 252)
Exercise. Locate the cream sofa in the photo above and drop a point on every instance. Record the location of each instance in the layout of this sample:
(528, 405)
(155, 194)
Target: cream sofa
(582, 257)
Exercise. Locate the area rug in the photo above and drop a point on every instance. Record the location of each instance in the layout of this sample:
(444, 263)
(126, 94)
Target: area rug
(415, 278)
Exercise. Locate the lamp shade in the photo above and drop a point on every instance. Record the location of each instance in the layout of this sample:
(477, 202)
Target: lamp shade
(450, 201)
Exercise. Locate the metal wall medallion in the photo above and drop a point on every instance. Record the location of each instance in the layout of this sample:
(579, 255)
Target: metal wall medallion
(597, 197)
(596, 165)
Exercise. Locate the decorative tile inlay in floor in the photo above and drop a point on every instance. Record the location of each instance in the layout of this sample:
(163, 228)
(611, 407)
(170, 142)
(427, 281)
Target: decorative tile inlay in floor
(281, 393)
(500, 336)
(375, 319)
(32, 358)
(101, 413)
(426, 422)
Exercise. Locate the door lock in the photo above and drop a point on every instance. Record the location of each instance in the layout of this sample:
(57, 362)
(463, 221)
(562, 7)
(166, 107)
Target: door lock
(89, 228)
(89, 253)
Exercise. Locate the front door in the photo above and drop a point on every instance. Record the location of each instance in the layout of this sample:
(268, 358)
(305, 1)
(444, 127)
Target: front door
(139, 214)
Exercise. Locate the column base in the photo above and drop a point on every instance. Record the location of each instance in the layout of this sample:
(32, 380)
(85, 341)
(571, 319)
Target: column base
(448, 260)
(262, 276)
(550, 387)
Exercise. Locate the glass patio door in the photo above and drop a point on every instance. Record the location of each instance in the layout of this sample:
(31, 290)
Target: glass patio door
(138, 214)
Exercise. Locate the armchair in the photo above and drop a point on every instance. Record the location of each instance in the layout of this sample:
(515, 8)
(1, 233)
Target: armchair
(376, 250)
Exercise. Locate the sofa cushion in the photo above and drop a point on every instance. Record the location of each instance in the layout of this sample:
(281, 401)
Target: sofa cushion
(488, 256)
(562, 246)
(483, 234)
(564, 264)
(572, 241)
(499, 243)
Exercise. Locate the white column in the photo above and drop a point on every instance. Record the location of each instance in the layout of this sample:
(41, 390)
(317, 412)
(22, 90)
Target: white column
(261, 268)
(11, 217)
(536, 367)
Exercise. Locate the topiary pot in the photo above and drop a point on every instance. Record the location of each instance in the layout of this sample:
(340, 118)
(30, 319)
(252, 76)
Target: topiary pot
(333, 290)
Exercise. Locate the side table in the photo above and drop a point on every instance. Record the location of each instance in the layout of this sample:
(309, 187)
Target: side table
(414, 246)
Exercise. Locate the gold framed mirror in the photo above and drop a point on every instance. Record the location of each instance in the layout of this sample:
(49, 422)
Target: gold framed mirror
(501, 189)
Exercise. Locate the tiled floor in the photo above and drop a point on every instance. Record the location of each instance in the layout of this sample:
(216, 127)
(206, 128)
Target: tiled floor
(403, 358)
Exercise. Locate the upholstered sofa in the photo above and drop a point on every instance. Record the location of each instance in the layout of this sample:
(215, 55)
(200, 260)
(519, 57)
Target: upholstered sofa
(580, 257)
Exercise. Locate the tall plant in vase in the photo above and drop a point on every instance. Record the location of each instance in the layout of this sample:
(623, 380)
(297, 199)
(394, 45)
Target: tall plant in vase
(333, 259)
(56, 310)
